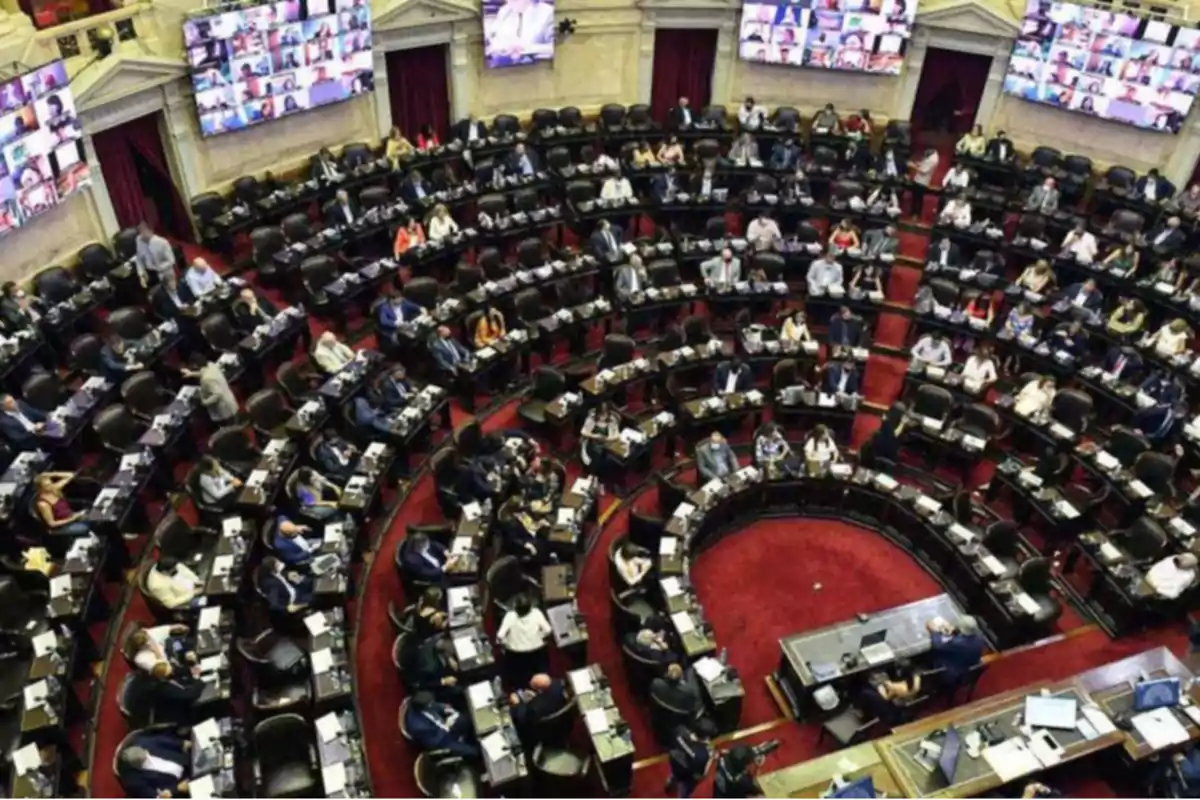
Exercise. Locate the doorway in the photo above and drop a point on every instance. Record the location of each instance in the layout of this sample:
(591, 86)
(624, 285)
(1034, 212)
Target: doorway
(139, 182)
(948, 95)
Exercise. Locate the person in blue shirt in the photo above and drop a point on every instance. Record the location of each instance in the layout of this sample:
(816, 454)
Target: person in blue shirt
(284, 589)
(955, 650)
(291, 543)
(116, 361)
(395, 388)
(21, 423)
(396, 311)
(437, 726)
(335, 456)
(318, 497)
(369, 418)
(690, 755)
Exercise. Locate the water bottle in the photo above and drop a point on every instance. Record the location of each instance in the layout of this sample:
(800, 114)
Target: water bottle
(724, 657)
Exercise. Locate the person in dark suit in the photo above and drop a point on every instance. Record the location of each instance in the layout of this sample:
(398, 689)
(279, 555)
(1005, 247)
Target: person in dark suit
(682, 116)
(842, 377)
(1163, 387)
(666, 184)
(284, 590)
(17, 310)
(433, 668)
(544, 698)
(523, 161)
(291, 542)
(423, 559)
(116, 363)
(651, 645)
(1000, 149)
(945, 254)
(1152, 188)
(250, 311)
(369, 419)
(335, 456)
(715, 459)
(706, 181)
(732, 376)
(324, 167)
(448, 352)
(674, 689)
(845, 330)
(1124, 363)
(955, 649)
(171, 298)
(395, 388)
(395, 311)
(470, 129)
(1069, 337)
(155, 764)
(605, 242)
(413, 189)
(21, 423)
(1083, 295)
(437, 726)
(1167, 238)
(157, 692)
(342, 211)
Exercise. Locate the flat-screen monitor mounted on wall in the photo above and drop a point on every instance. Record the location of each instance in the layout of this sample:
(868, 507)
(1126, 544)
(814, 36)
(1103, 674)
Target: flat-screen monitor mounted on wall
(41, 145)
(517, 32)
(257, 63)
(850, 35)
(1108, 64)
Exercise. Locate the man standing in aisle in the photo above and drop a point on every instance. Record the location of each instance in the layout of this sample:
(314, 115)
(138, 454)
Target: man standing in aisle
(154, 255)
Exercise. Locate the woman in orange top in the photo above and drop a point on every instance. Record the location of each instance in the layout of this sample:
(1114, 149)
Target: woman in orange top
(427, 139)
(489, 328)
(408, 235)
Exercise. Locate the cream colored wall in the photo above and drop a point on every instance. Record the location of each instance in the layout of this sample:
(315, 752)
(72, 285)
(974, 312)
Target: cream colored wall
(810, 89)
(52, 238)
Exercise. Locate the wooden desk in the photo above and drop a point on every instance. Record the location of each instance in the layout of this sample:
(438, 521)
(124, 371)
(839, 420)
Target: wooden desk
(812, 778)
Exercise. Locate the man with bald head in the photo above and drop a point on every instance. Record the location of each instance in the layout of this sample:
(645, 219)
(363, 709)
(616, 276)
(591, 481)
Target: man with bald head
(676, 689)
(544, 698)
(202, 279)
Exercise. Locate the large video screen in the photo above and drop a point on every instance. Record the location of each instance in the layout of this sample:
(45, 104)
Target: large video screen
(852, 35)
(517, 32)
(1109, 64)
(41, 145)
(264, 62)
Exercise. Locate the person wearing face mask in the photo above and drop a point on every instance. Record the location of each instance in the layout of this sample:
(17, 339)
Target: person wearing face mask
(826, 122)
(715, 459)
(1044, 197)
(723, 271)
(17, 311)
(332, 355)
(763, 232)
(751, 115)
(731, 377)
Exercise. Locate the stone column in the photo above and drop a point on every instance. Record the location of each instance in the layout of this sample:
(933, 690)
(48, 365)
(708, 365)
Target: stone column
(100, 196)
(462, 85)
(381, 99)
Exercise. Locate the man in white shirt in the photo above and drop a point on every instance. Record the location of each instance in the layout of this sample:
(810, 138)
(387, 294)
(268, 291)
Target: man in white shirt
(202, 279)
(750, 115)
(155, 764)
(956, 178)
(173, 584)
(520, 28)
(933, 350)
(1080, 243)
(763, 232)
(823, 274)
(616, 187)
(1172, 576)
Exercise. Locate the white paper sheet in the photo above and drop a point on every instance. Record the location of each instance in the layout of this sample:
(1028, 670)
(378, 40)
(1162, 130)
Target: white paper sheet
(334, 778)
(581, 680)
(1011, 759)
(322, 661)
(206, 733)
(596, 720)
(1160, 728)
(27, 759)
(316, 623)
(709, 668)
(481, 695)
(210, 617)
(465, 649)
(683, 622)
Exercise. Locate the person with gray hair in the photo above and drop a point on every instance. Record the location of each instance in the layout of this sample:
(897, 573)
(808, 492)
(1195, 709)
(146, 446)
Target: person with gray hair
(1173, 576)
(955, 649)
(155, 764)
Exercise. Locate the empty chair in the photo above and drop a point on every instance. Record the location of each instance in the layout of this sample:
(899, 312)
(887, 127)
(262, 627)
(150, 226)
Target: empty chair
(54, 285)
(570, 117)
(1072, 408)
(506, 125)
(269, 412)
(945, 293)
(548, 384)
(544, 118)
(1125, 444)
(129, 323)
(219, 333)
(1144, 541)
(280, 666)
(285, 763)
(639, 117)
(443, 774)
(296, 227)
(933, 401)
(786, 118)
(246, 189)
(207, 207)
(506, 581)
(233, 447)
(356, 154)
(117, 429)
(144, 395)
(374, 197)
(95, 260)
(612, 115)
(1034, 578)
(1125, 223)
(44, 391)
(1157, 471)
(979, 420)
(1045, 157)
(617, 349)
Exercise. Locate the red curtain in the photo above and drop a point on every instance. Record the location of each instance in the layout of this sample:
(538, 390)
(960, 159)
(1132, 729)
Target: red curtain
(418, 89)
(952, 83)
(683, 67)
(138, 178)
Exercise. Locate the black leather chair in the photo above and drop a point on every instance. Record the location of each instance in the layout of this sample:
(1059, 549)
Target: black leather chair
(446, 472)
(280, 667)
(117, 429)
(234, 447)
(442, 774)
(570, 117)
(129, 323)
(285, 763)
(933, 401)
(1072, 408)
(506, 581)
(1157, 471)
(95, 261)
(1034, 579)
(548, 384)
(616, 350)
(269, 413)
(979, 420)
(144, 395)
(219, 333)
(1145, 541)
(1002, 539)
(544, 118)
(1126, 444)
(44, 391)
(612, 115)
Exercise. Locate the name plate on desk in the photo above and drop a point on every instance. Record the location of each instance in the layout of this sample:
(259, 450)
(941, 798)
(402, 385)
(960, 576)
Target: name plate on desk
(684, 510)
(885, 482)
(931, 424)
(961, 532)
(1027, 478)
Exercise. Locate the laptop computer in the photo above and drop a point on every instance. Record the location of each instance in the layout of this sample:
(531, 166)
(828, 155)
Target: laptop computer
(1151, 694)
(874, 648)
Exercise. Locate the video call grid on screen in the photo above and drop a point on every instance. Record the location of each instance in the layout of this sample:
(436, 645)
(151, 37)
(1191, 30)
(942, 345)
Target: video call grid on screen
(1111, 65)
(41, 145)
(517, 32)
(851, 35)
(264, 62)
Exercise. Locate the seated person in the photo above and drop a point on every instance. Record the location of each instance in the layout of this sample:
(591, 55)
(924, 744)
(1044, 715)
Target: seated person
(785, 154)
(1167, 238)
(1020, 321)
(318, 496)
(796, 186)
(795, 329)
(544, 698)
(1172, 576)
(723, 270)
(437, 726)
(336, 456)
(1188, 201)
(398, 148)
(202, 279)
(424, 559)
(1123, 361)
(763, 232)
(342, 211)
(53, 507)
(155, 763)
(632, 279)
(957, 178)
(324, 167)
(1083, 295)
(542, 483)
(881, 243)
(332, 355)
(408, 235)
(887, 165)
(677, 690)
(844, 331)
(980, 366)
(1171, 339)
(820, 450)
(890, 691)
(666, 184)
(394, 387)
(441, 225)
(218, 486)
(884, 200)
(973, 144)
(414, 189)
(291, 543)
(370, 419)
(165, 696)
(448, 353)
(490, 327)
(174, 585)
(523, 161)
(954, 650)
(616, 187)
(398, 310)
(643, 156)
(770, 448)
(826, 121)
(170, 300)
(744, 151)
(933, 349)
(1000, 149)
(706, 181)
(1169, 273)
(731, 377)
(670, 152)
(601, 426)
(22, 424)
(285, 590)
(1124, 260)
(1044, 197)
(523, 534)
(1068, 337)
(945, 254)
(956, 212)
(844, 236)
(841, 377)
(250, 311)
(1128, 318)
(116, 360)
(1038, 277)
(715, 459)
(651, 645)
(18, 311)
(1035, 396)
(824, 274)
(163, 644)
(633, 563)
(1080, 243)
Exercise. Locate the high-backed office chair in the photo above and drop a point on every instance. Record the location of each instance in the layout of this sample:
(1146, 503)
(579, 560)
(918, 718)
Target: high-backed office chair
(269, 412)
(1072, 408)
(1157, 471)
(117, 429)
(145, 396)
(129, 323)
(44, 391)
(506, 581)
(612, 115)
(234, 447)
(442, 774)
(285, 763)
(979, 420)
(570, 117)
(548, 384)
(787, 118)
(544, 118)
(933, 401)
(1145, 541)
(95, 261)
(1126, 444)
(280, 667)
(1034, 579)
(219, 333)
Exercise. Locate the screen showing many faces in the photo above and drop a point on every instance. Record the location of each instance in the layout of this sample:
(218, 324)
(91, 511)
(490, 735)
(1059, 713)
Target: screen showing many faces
(1112, 65)
(41, 145)
(264, 62)
(853, 35)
